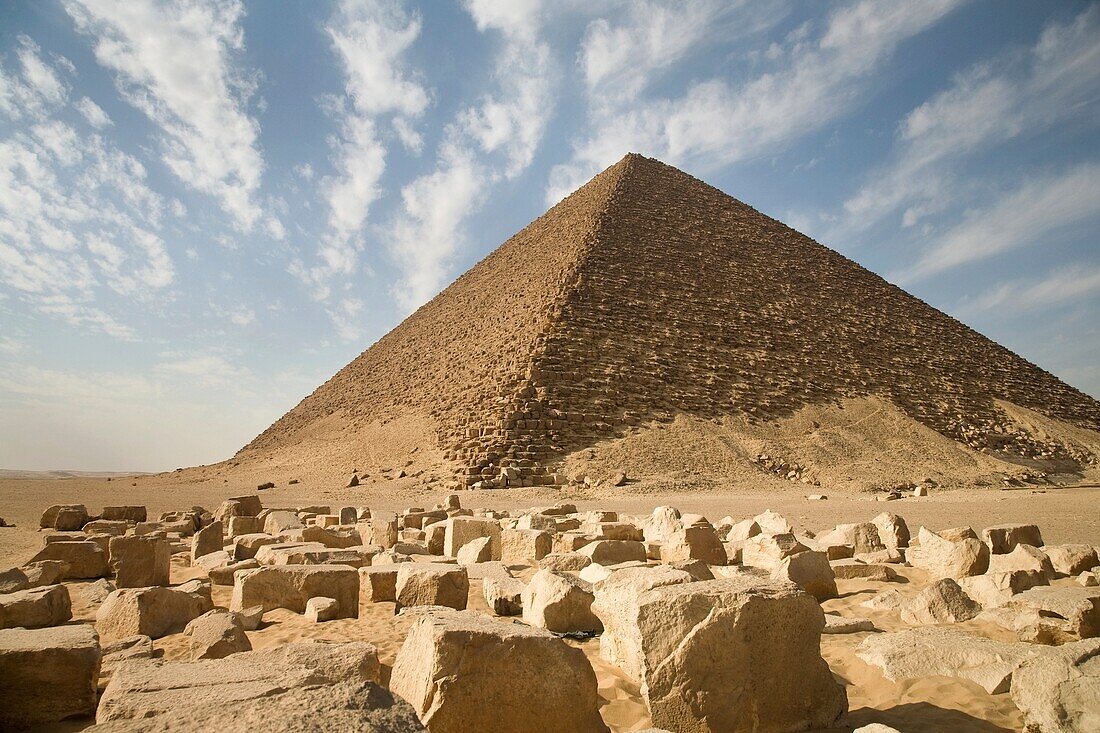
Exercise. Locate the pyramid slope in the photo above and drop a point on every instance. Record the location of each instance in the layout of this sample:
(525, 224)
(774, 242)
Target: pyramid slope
(647, 294)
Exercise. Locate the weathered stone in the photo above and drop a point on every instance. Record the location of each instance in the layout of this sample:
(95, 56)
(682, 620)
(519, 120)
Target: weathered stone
(524, 546)
(103, 526)
(767, 551)
(564, 561)
(280, 553)
(152, 612)
(994, 589)
(1054, 615)
(1003, 538)
(237, 526)
(943, 651)
(155, 688)
(460, 530)
(251, 617)
(64, 517)
(246, 546)
(763, 631)
(466, 672)
(140, 561)
(35, 607)
(279, 520)
(84, 559)
(772, 523)
(1023, 557)
(216, 634)
(613, 552)
(852, 569)
(616, 605)
(697, 569)
(810, 571)
(889, 600)
(208, 539)
(227, 574)
(475, 551)
(742, 530)
(32, 575)
(124, 513)
(124, 649)
(559, 602)
(320, 609)
(892, 530)
(504, 595)
(291, 587)
(379, 582)
(47, 675)
(421, 584)
(942, 602)
(1071, 559)
(861, 537)
(835, 624)
(1059, 691)
(383, 531)
(694, 543)
(946, 558)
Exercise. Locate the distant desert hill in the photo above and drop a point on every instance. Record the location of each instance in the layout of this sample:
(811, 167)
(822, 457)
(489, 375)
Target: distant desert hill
(648, 304)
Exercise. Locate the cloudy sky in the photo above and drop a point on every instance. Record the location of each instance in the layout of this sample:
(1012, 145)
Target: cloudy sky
(207, 207)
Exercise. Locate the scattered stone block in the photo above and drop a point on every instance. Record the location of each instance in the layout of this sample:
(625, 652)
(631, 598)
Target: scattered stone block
(132, 514)
(1071, 559)
(140, 561)
(503, 595)
(460, 530)
(84, 559)
(943, 651)
(421, 584)
(559, 602)
(942, 602)
(47, 675)
(525, 546)
(499, 677)
(767, 551)
(379, 582)
(892, 530)
(216, 634)
(64, 517)
(810, 571)
(320, 609)
(475, 551)
(694, 543)
(291, 587)
(1003, 538)
(852, 569)
(1059, 691)
(35, 608)
(209, 539)
(835, 624)
(941, 557)
(152, 612)
(1023, 557)
(613, 552)
(564, 561)
(995, 589)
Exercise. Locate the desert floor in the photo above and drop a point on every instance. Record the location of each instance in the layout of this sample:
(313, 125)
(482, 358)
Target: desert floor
(1069, 514)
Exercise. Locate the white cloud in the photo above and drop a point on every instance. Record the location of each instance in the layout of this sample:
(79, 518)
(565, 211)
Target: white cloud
(207, 370)
(1019, 296)
(36, 90)
(492, 140)
(11, 346)
(1023, 217)
(370, 39)
(986, 106)
(715, 122)
(76, 214)
(175, 62)
(93, 113)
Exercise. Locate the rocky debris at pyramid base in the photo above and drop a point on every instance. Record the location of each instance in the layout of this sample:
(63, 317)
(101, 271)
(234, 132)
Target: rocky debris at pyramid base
(497, 603)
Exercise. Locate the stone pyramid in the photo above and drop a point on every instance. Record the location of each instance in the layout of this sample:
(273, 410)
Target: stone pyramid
(648, 294)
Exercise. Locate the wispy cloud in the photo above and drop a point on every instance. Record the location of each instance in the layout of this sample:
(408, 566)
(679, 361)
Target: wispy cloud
(492, 140)
(177, 62)
(986, 106)
(1024, 216)
(371, 39)
(1062, 286)
(76, 213)
(811, 82)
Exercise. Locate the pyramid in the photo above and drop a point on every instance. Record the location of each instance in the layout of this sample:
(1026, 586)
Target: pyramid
(647, 294)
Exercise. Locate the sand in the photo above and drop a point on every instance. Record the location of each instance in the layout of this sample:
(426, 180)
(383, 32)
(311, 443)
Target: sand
(931, 704)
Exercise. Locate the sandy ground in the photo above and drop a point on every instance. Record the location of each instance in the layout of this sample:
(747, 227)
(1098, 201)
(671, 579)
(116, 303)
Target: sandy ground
(929, 704)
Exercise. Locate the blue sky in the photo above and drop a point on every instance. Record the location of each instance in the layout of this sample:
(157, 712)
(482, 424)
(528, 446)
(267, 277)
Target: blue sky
(208, 207)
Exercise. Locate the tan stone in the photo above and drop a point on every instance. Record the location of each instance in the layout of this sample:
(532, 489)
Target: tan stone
(320, 609)
(155, 688)
(206, 540)
(694, 543)
(47, 675)
(503, 595)
(140, 561)
(291, 587)
(942, 602)
(466, 672)
(84, 559)
(475, 551)
(559, 602)
(892, 530)
(1071, 559)
(1022, 557)
(946, 558)
(767, 551)
(810, 571)
(613, 552)
(1003, 538)
(460, 530)
(421, 584)
(152, 612)
(34, 608)
(1059, 691)
(564, 561)
(216, 634)
(378, 583)
(853, 569)
(994, 589)
(524, 546)
(768, 636)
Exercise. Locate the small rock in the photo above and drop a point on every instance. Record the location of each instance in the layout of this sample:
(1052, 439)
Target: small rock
(319, 609)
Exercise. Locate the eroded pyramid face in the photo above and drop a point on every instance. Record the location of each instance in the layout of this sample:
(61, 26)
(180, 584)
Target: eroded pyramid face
(648, 294)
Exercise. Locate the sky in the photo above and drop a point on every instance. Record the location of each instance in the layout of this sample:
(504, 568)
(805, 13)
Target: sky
(208, 207)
